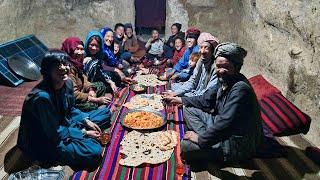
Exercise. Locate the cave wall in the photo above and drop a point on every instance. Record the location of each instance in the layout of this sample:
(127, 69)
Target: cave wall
(53, 21)
(283, 38)
(215, 16)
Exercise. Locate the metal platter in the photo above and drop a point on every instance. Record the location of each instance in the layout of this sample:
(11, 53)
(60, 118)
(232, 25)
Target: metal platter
(164, 122)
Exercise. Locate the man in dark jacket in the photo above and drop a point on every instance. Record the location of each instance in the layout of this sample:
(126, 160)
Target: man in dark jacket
(223, 124)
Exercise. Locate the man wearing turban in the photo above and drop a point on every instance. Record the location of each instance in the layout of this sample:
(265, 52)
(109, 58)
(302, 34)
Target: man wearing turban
(225, 126)
(204, 76)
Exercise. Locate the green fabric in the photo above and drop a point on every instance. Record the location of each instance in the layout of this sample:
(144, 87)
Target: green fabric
(100, 90)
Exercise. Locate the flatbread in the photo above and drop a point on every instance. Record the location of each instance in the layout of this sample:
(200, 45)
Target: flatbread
(138, 148)
(145, 101)
(149, 80)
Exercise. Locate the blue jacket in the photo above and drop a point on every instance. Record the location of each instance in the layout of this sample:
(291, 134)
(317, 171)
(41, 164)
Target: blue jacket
(112, 60)
(184, 61)
(50, 126)
(185, 74)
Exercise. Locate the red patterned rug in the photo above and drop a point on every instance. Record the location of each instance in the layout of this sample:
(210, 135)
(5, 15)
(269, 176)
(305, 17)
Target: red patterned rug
(11, 98)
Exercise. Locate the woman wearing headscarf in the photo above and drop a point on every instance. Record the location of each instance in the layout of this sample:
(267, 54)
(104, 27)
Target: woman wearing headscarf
(110, 62)
(93, 63)
(108, 48)
(169, 44)
(89, 96)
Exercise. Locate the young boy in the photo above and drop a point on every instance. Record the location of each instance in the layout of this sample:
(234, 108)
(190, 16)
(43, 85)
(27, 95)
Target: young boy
(185, 74)
(154, 46)
(116, 49)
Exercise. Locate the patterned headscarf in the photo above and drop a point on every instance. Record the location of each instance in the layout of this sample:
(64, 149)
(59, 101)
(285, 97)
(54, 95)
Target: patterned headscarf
(207, 37)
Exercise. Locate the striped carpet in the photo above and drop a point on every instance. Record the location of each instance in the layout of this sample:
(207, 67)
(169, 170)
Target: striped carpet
(110, 168)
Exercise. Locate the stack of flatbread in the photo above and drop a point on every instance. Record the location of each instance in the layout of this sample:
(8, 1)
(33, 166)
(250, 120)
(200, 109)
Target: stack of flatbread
(149, 80)
(152, 148)
(145, 101)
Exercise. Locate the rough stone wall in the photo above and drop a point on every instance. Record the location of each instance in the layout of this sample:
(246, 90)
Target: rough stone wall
(283, 38)
(53, 21)
(176, 13)
(212, 16)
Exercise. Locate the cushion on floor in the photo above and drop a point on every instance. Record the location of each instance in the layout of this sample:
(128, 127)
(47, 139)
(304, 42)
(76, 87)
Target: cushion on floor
(278, 113)
(262, 87)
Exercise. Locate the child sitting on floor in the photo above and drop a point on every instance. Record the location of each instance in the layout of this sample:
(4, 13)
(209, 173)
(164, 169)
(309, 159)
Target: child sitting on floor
(179, 45)
(185, 74)
(154, 46)
(116, 49)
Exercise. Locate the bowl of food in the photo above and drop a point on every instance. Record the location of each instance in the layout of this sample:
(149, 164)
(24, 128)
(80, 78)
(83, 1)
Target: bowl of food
(104, 138)
(138, 88)
(143, 120)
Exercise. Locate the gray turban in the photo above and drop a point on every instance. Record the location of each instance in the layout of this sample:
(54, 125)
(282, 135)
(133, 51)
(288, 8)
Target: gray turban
(231, 51)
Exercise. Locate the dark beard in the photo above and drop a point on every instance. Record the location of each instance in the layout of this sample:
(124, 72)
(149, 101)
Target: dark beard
(226, 80)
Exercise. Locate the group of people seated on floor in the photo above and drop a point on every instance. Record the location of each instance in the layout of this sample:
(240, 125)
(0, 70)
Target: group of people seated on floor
(64, 115)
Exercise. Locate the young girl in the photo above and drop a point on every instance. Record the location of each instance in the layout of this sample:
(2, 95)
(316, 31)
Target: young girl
(88, 96)
(116, 49)
(92, 62)
(179, 45)
(169, 44)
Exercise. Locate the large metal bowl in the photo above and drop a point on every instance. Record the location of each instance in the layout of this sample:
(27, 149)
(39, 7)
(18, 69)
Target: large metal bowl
(144, 129)
(24, 68)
